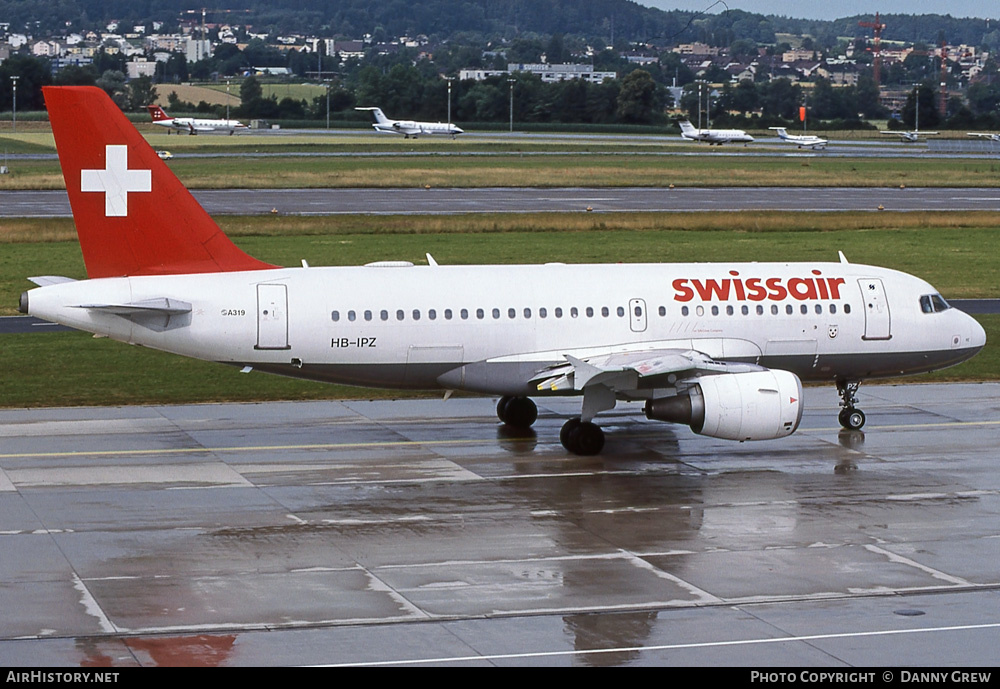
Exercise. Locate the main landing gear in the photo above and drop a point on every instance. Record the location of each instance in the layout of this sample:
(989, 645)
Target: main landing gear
(850, 416)
(578, 436)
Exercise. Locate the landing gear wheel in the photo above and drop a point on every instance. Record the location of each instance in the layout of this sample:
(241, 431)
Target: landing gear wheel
(852, 419)
(850, 416)
(502, 408)
(567, 429)
(519, 412)
(582, 437)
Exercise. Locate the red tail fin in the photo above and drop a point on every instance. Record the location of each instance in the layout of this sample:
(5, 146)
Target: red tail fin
(133, 216)
(156, 112)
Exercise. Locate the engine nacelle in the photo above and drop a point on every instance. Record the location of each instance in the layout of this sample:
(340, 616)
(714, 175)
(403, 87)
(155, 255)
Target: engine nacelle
(760, 405)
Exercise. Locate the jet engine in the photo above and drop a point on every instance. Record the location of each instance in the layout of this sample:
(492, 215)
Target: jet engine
(758, 405)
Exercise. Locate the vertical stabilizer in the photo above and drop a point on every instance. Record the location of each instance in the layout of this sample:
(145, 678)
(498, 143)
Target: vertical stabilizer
(133, 216)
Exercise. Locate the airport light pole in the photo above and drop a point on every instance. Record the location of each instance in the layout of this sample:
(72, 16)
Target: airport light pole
(328, 104)
(511, 82)
(14, 80)
(227, 100)
(449, 80)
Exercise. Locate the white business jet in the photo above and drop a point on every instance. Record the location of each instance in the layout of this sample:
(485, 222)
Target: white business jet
(720, 347)
(714, 136)
(193, 125)
(410, 128)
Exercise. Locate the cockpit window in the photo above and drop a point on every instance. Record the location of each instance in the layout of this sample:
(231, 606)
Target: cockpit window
(933, 303)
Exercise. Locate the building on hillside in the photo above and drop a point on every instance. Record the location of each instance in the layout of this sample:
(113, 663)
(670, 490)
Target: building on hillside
(547, 72)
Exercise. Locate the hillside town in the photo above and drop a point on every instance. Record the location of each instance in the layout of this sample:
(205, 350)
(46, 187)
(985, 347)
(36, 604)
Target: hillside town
(858, 78)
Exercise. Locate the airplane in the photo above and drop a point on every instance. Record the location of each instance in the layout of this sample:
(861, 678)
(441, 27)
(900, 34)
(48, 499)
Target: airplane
(192, 125)
(910, 137)
(801, 140)
(914, 136)
(410, 128)
(723, 348)
(986, 135)
(713, 136)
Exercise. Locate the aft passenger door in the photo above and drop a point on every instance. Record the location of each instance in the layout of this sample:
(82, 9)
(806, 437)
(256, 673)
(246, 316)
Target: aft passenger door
(272, 317)
(877, 318)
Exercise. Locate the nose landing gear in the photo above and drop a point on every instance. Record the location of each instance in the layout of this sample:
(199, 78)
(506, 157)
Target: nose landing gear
(850, 416)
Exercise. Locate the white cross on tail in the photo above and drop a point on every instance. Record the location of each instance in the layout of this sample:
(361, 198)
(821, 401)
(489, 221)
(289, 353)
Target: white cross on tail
(116, 181)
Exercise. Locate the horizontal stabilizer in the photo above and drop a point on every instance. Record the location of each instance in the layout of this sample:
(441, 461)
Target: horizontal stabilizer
(162, 306)
(45, 280)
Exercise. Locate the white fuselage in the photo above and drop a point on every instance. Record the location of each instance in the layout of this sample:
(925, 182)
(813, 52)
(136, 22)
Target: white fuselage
(718, 136)
(193, 124)
(410, 128)
(491, 328)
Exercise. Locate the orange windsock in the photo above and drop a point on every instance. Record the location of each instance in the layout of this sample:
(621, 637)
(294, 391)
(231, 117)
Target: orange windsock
(802, 113)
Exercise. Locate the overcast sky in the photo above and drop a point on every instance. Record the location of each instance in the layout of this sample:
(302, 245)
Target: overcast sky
(808, 9)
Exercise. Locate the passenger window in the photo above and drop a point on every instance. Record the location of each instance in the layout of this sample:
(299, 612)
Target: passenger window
(745, 309)
(715, 310)
(847, 308)
(685, 311)
(351, 316)
(335, 316)
(789, 310)
(480, 314)
(590, 312)
(774, 309)
(511, 313)
(833, 308)
(574, 312)
(804, 309)
(416, 314)
(558, 312)
(400, 315)
(605, 312)
(543, 312)
(496, 313)
(621, 311)
(465, 314)
(447, 314)
(384, 315)
(432, 314)
(368, 315)
(729, 310)
(760, 310)
(663, 310)
(527, 313)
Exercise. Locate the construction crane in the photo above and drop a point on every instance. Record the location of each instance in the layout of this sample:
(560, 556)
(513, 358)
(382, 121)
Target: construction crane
(876, 26)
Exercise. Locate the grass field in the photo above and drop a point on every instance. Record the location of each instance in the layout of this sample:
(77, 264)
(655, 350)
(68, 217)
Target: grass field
(502, 168)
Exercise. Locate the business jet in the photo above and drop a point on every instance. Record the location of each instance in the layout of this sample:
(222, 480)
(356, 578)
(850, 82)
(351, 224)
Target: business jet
(714, 136)
(986, 135)
(410, 128)
(720, 347)
(801, 140)
(192, 125)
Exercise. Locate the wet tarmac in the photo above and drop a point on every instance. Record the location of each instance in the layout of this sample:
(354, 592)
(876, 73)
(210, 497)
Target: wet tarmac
(425, 533)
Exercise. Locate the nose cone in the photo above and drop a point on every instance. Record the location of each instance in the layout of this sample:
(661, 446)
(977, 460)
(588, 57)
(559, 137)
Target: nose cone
(977, 335)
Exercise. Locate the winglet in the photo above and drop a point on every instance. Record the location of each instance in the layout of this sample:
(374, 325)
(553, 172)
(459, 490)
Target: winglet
(133, 216)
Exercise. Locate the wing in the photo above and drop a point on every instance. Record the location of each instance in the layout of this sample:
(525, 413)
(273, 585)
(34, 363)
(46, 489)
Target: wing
(627, 371)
